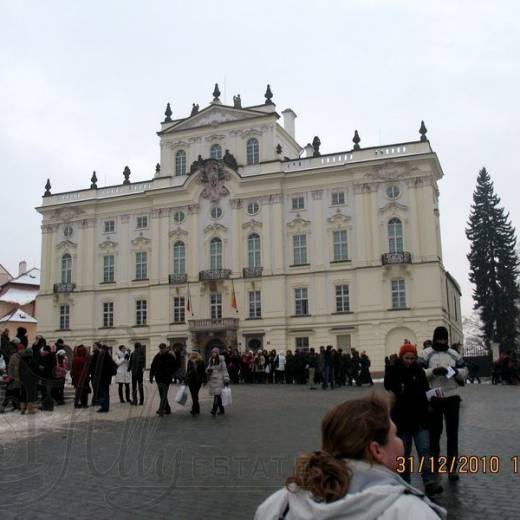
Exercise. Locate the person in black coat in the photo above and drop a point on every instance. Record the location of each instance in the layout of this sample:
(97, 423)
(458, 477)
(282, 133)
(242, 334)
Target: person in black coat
(164, 366)
(104, 368)
(195, 378)
(406, 379)
(136, 367)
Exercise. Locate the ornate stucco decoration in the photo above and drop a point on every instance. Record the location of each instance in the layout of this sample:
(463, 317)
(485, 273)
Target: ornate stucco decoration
(49, 228)
(339, 218)
(66, 244)
(108, 244)
(392, 171)
(193, 208)
(252, 224)
(88, 222)
(317, 194)
(178, 144)
(212, 118)
(160, 212)
(177, 233)
(214, 227)
(215, 137)
(212, 176)
(235, 203)
(298, 222)
(365, 188)
(140, 241)
(66, 214)
(393, 206)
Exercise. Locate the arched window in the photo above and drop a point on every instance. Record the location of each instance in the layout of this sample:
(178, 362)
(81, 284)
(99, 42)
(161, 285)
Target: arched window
(66, 269)
(215, 152)
(253, 251)
(179, 258)
(252, 151)
(180, 163)
(395, 236)
(215, 254)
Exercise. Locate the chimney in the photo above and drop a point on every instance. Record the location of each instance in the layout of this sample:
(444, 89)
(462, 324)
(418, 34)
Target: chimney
(309, 150)
(288, 121)
(22, 267)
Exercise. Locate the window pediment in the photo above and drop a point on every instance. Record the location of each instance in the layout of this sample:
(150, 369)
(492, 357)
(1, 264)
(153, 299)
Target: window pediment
(177, 233)
(108, 244)
(339, 218)
(252, 224)
(66, 244)
(140, 241)
(392, 207)
(298, 222)
(211, 228)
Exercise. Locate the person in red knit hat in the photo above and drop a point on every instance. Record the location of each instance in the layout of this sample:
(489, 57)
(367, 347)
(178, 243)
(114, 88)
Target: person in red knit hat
(406, 380)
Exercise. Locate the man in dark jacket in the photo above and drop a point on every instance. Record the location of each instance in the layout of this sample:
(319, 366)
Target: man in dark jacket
(406, 379)
(104, 369)
(136, 367)
(163, 368)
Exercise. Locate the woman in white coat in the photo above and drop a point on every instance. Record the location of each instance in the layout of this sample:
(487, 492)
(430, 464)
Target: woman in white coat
(123, 376)
(353, 476)
(218, 378)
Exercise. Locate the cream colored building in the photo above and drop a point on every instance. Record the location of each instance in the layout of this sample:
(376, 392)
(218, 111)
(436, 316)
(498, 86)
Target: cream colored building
(341, 249)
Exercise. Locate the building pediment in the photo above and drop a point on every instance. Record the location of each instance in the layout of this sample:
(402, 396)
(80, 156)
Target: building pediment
(214, 115)
(140, 241)
(210, 228)
(339, 218)
(298, 222)
(108, 244)
(252, 224)
(178, 233)
(66, 244)
(393, 206)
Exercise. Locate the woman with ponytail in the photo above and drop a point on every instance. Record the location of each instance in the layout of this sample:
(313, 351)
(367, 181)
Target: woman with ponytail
(354, 475)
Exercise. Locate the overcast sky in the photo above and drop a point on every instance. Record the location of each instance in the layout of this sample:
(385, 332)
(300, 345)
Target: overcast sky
(83, 86)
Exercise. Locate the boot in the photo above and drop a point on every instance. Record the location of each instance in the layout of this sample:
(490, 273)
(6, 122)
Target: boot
(31, 408)
(23, 406)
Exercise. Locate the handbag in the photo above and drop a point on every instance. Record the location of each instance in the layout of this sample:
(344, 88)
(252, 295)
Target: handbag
(182, 395)
(226, 396)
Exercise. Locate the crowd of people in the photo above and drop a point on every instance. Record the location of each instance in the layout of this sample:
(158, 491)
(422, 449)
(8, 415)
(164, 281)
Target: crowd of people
(328, 367)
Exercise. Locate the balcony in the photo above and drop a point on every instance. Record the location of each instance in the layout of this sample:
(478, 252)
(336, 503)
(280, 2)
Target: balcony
(252, 272)
(401, 257)
(177, 278)
(214, 274)
(213, 325)
(64, 287)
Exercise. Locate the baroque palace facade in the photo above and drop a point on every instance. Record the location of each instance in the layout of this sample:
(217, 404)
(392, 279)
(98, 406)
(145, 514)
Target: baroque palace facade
(244, 238)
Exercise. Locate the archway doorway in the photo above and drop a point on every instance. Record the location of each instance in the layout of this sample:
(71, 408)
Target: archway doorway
(254, 344)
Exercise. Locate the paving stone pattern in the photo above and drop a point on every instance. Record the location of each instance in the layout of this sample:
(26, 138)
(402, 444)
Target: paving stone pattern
(131, 463)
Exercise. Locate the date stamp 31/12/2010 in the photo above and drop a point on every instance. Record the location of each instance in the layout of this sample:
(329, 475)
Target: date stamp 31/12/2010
(491, 464)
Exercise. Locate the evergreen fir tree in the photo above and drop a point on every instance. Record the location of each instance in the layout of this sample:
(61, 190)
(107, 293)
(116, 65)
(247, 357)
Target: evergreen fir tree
(493, 265)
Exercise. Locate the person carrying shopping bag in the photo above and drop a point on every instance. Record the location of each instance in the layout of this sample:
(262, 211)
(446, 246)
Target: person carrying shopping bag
(218, 378)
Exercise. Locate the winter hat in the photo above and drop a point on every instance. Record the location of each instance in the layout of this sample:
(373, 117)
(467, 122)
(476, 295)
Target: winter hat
(440, 333)
(408, 348)
(60, 352)
(215, 349)
(15, 341)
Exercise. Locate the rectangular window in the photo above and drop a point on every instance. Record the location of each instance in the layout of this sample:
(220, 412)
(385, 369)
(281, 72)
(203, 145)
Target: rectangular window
(302, 344)
(108, 314)
(339, 241)
(142, 222)
(301, 302)
(215, 301)
(338, 198)
(178, 309)
(398, 294)
(343, 342)
(298, 203)
(108, 268)
(255, 304)
(110, 226)
(342, 298)
(65, 317)
(300, 249)
(141, 265)
(141, 312)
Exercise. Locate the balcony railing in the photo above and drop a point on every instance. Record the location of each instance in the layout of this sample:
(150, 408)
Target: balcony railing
(64, 287)
(252, 272)
(177, 278)
(212, 325)
(401, 257)
(214, 274)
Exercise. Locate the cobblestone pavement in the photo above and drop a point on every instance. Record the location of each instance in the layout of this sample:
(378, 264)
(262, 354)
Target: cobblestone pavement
(131, 463)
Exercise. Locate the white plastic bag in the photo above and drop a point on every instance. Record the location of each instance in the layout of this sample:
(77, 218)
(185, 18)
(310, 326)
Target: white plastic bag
(182, 395)
(226, 396)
